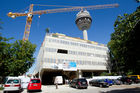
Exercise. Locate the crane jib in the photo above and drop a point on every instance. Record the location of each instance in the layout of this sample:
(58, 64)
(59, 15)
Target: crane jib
(58, 10)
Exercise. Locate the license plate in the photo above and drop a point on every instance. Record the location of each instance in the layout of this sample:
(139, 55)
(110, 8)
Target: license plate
(11, 85)
(35, 85)
(84, 82)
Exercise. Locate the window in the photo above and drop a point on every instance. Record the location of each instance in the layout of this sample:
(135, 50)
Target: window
(12, 81)
(62, 51)
(35, 81)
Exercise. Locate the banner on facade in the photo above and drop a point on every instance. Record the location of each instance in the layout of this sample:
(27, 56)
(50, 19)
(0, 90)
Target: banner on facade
(69, 66)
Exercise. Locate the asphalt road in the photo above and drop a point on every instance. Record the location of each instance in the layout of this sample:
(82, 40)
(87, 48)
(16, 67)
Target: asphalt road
(134, 88)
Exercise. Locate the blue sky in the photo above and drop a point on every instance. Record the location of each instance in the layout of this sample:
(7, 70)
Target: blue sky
(101, 28)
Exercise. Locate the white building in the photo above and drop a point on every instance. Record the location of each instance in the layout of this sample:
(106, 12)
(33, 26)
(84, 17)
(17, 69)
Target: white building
(69, 57)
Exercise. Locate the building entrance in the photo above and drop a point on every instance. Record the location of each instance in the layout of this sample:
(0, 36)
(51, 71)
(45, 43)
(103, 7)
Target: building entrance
(48, 77)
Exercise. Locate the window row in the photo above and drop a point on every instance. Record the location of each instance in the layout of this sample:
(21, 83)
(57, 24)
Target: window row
(76, 44)
(78, 62)
(75, 52)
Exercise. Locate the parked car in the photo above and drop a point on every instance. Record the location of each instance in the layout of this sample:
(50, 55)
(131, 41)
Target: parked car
(126, 80)
(137, 76)
(79, 83)
(135, 79)
(58, 80)
(12, 84)
(116, 82)
(24, 81)
(99, 83)
(109, 81)
(34, 85)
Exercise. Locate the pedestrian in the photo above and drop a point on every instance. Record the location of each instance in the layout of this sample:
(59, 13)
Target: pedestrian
(56, 82)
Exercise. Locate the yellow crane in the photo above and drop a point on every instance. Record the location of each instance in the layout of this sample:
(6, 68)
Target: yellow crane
(58, 10)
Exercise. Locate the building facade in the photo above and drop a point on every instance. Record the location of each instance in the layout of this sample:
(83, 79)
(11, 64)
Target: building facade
(61, 55)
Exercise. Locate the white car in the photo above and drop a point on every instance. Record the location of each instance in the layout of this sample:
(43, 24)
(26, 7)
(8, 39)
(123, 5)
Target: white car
(12, 84)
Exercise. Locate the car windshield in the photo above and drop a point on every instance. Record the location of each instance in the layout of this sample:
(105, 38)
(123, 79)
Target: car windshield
(13, 81)
(101, 80)
(35, 81)
(134, 77)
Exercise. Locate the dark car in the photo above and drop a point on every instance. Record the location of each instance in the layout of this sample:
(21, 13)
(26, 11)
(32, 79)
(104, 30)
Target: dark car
(116, 82)
(135, 79)
(126, 80)
(109, 81)
(99, 83)
(79, 83)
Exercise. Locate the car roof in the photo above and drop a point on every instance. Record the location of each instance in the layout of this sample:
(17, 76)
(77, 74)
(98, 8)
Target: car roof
(13, 78)
(35, 79)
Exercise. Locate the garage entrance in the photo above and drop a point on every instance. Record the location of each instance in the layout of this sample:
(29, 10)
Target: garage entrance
(49, 76)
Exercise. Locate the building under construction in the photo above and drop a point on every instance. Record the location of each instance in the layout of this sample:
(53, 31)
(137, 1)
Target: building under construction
(61, 55)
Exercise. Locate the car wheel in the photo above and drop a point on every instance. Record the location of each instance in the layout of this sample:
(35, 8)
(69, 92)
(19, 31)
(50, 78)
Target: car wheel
(125, 83)
(77, 87)
(100, 85)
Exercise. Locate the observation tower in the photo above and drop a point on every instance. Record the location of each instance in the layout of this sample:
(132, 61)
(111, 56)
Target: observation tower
(83, 21)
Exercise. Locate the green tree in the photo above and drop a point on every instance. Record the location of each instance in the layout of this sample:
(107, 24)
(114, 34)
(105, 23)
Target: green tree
(124, 47)
(17, 58)
(137, 1)
(47, 30)
(21, 57)
(0, 24)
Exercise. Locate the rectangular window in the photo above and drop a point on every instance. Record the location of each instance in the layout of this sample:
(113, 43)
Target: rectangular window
(62, 51)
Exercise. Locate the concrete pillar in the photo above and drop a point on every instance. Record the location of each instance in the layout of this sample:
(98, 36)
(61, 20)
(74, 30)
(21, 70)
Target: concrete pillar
(85, 37)
(39, 75)
(79, 73)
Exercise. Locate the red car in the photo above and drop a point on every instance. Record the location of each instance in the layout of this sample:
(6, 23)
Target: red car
(34, 85)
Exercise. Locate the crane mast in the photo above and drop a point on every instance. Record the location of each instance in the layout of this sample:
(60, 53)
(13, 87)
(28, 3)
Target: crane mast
(58, 10)
(28, 23)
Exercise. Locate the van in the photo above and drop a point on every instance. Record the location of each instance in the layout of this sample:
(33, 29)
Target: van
(24, 81)
(136, 76)
(58, 80)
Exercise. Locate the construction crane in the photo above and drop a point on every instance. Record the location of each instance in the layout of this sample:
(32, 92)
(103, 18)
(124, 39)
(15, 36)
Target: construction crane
(58, 10)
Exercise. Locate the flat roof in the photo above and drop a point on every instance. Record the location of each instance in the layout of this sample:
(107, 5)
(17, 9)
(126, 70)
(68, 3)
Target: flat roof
(59, 35)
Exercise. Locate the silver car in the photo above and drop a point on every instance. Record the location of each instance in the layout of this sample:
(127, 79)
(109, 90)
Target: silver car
(12, 84)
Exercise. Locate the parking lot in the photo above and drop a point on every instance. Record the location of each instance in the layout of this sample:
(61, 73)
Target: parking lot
(134, 88)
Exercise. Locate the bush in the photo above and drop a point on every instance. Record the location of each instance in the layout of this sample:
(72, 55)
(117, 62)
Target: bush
(1, 87)
(108, 74)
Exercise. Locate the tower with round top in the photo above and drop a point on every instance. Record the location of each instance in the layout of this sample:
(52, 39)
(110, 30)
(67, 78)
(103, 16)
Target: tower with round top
(83, 21)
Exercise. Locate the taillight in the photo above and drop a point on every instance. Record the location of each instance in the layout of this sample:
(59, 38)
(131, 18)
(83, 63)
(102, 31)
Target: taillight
(17, 85)
(79, 83)
(29, 84)
(6, 85)
(87, 83)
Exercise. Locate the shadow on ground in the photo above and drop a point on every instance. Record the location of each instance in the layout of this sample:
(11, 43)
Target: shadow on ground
(128, 90)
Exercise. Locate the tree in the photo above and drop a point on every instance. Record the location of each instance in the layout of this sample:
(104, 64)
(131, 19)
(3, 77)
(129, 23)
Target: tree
(17, 58)
(0, 24)
(47, 30)
(108, 64)
(21, 57)
(3, 45)
(137, 1)
(124, 44)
